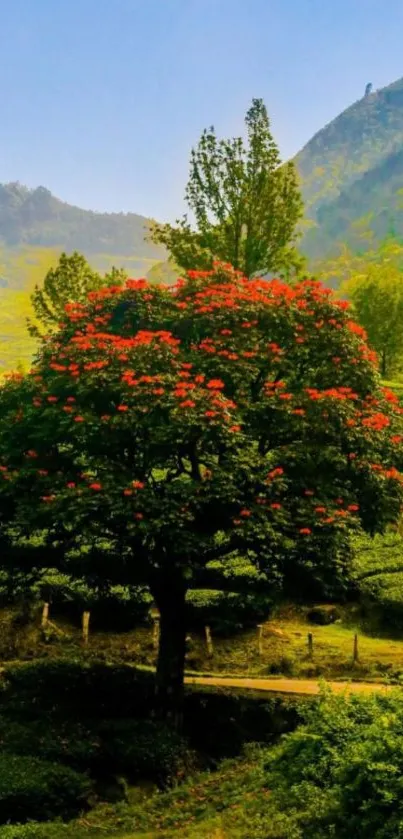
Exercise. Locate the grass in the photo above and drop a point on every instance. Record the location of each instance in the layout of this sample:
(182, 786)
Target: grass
(219, 805)
(284, 648)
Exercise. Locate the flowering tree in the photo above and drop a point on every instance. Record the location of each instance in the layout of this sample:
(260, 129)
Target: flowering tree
(178, 425)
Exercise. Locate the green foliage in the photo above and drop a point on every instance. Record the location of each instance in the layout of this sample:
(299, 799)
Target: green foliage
(70, 281)
(226, 612)
(76, 689)
(217, 721)
(232, 462)
(350, 168)
(374, 285)
(164, 272)
(34, 789)
(245, 203)
(341, 773)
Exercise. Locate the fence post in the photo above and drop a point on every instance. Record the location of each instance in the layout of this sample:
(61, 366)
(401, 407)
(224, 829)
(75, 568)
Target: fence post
(355, 648)
(45, 615)
(209, 640)
(310, 645)
(86, 627)
(156, 632)
(260, 638)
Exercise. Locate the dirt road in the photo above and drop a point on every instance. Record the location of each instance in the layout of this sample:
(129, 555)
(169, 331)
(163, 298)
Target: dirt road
(296, 686)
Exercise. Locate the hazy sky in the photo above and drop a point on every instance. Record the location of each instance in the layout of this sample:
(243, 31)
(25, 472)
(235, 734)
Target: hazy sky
(101, 100)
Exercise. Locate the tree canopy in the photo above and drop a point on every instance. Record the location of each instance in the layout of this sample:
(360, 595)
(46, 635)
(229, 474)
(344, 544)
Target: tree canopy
(162, 428)
(69, 282)
(245, 203)
(371, 280)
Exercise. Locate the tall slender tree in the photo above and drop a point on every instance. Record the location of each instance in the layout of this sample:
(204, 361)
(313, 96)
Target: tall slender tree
(245, 202)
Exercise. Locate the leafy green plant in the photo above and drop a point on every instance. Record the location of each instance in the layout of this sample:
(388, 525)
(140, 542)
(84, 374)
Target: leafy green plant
(342, 771)
(34, 789)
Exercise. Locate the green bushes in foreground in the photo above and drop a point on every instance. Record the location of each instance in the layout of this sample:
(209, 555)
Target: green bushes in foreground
(338, 775)
(34, 789)
(341, 773)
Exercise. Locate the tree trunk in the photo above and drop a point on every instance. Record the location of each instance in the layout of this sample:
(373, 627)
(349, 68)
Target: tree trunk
(171, 601)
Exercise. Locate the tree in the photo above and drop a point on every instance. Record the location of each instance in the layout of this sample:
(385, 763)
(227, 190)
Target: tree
(246, 204)
(373, 283)
(163, 428)
(70, 281)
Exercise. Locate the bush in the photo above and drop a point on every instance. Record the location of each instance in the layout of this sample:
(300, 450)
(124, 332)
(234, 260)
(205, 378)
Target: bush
(46, 698)
(219, 721)
(34, 789)
(226, 612)
(342, 771)
(70, 688)
(145, 750)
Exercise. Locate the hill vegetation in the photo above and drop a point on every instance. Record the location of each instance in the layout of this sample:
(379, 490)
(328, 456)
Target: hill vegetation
(353, 168)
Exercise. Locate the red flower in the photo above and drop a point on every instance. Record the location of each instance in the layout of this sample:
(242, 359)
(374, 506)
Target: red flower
(123, 408)
(245, 513)
(71, 485)
(309, 492)
(188, 403)
(320, 509)
(138, 484)
(305, 531)
(215, 384)
(127, 492)
(138, 516)
(234, 428)
(275, 506)
(96, 487)
(276, 472)
(79, 419)
(353, 508)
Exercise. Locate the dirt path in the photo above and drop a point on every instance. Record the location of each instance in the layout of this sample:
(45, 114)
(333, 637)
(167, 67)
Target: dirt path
(296, 686)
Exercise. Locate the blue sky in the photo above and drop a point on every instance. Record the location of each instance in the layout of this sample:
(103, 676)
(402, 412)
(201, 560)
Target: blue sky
(101, 100)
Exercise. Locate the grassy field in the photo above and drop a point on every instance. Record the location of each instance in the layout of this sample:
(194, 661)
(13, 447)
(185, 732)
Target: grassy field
(283, 648)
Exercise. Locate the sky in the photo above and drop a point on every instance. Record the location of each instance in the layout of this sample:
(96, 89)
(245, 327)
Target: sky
(102, 100)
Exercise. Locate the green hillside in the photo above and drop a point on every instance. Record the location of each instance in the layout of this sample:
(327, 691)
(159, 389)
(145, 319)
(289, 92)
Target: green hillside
(353, 168)
(32, 219)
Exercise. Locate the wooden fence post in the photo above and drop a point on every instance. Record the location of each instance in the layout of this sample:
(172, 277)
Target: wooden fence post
(355, 648)
(45, 615)
(260, 638)
(310, 645)
(209, 640)
(156, 632)
(86, 627)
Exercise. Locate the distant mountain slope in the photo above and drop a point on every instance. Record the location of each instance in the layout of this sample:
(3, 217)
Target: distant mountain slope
(34, 218)
(352, 168)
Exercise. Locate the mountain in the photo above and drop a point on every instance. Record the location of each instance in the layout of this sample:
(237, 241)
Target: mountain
(32, 219)
(351, 169)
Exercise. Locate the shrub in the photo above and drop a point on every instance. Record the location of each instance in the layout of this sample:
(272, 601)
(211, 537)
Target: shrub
(342, 771)
(226, 612)
(34, 789)
(145, 750)
(40, 702)
(67, 688)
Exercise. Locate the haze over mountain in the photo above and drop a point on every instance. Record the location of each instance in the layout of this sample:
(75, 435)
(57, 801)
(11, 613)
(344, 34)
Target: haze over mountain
(32, 219)
(350, 170)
